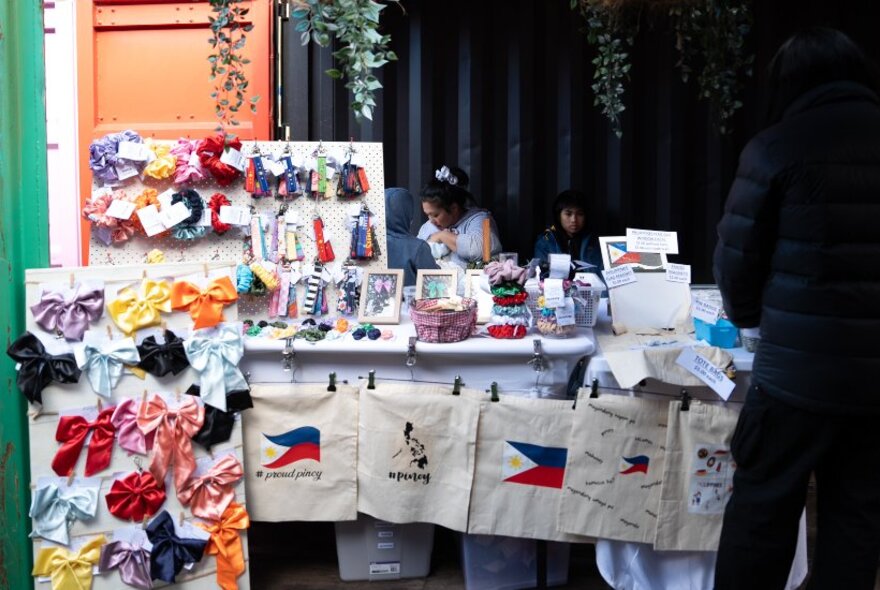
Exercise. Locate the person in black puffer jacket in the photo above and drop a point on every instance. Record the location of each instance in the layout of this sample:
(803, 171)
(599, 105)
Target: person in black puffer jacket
(799, 256)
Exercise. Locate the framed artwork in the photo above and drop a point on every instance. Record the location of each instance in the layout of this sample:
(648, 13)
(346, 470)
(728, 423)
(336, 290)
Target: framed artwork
(615, 253)
(433, 284)
(484, 299)
(380, 296)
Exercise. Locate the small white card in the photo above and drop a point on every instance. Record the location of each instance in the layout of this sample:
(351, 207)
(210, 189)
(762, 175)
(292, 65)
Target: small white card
(151, 220)
(649, 240)
(174, 214)
(678, 273)
(619, 276)
(565, 314)
(133, 535)
(206, 217)
(124, 171)
(234, 158)
(705, 311)
(235, 215)
(554, 296)
(292, 217)
(560, 264)
(702, 369)
(165, 198)
(130, 150)
(101, 192)
(193, 160)
(120, 209)
(276, 168)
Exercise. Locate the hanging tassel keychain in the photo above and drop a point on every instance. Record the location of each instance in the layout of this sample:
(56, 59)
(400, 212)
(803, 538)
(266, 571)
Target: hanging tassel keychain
(287, 185)
(258, 238)
(312, 287)
(322, 174)
(292, 307)
(362, 237)
(325, 250)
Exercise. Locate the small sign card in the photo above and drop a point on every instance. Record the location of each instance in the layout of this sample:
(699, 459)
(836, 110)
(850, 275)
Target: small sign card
(120, 209)
(706, 311)
(235, 215)
(649, 240)
(151, 220)
(702, 369)
(678, 273)
(554, 295)
(560, 264)
(131, 150)
(234, 158)
(619, 276)
(565, 314)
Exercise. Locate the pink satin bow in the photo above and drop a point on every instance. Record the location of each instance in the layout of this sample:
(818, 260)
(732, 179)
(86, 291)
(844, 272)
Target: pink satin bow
(174, 429)
(210, 494)
(128, 434)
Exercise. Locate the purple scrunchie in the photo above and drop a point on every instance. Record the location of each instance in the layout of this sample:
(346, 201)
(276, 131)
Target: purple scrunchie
(103, 158)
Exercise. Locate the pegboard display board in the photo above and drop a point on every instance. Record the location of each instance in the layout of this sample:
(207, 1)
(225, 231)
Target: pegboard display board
(57, 398)
(229, 246)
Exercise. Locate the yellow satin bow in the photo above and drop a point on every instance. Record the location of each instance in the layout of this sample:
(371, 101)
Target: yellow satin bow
(70, 570)
(139, 309)
(205, 307)
(225, 543)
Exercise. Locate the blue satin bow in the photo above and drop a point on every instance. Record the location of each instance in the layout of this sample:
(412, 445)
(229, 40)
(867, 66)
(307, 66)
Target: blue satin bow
(215, 353)
(103, 365)
(53, 510)
(170, 552)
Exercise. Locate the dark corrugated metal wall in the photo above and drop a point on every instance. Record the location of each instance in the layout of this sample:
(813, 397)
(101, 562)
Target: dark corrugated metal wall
(502, 88)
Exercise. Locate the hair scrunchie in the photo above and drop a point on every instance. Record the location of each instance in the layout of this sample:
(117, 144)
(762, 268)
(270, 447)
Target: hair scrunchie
(218, 200)
(125, 228)
(508, 332)
(103, 155)
(210, 150)
(505, 300)
(149, 196)
(187, 230)
(244, 278)
(163, 164)
(95, 210)
(189, 167)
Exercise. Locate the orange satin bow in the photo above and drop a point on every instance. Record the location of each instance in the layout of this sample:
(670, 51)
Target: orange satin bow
(205, 307)
(174, 429)
(225, 543)
(210, 494)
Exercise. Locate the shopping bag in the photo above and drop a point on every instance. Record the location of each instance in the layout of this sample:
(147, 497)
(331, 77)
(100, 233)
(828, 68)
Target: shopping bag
(300, 442)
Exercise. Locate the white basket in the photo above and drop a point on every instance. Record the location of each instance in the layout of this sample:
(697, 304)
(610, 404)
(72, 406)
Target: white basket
(586, 305)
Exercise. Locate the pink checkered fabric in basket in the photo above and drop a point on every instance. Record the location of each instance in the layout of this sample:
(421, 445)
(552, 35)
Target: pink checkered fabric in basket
(444, 326)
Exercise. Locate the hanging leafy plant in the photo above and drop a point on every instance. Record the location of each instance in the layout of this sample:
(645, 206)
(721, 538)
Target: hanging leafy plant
(354, 24)
(228, 38)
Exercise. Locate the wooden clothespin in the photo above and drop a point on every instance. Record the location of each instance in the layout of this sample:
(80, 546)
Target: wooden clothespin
(685, 400)
(177, 394)
(144, 274)
(109, 332)
(71, 280)
(205, 266)
(332, 386)
(100, 405)
(144, 397)
(70, 477)
(456, 385)
(371, 379)
(494, 390)
(144, 523)
(182, 518)
(594, 388)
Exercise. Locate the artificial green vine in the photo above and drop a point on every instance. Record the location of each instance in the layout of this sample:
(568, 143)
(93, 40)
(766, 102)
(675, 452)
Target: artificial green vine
(355, 25)
(227, 64)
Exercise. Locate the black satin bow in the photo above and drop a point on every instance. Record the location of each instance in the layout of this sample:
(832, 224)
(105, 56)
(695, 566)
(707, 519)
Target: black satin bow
(38, 369)
(170, 552)
(161, 359)
(217, 427)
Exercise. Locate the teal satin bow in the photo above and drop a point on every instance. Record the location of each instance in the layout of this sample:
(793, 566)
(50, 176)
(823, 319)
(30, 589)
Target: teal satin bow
(103, 365)
(53, 510)
(215, 353)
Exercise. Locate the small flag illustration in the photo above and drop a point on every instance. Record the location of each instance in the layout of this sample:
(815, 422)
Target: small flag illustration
(637, 464)
(295, 445)
(534, 465)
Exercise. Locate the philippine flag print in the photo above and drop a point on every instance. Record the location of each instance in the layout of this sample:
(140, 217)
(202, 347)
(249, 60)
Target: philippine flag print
(637, 464)
(294, 445)
(534, 465)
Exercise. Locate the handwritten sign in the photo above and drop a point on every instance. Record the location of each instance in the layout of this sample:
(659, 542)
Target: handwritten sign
(648, 240)
(565, 314)
(678, 273)
(554, 296)
(619, 276)
(706, 311)
(705, 371)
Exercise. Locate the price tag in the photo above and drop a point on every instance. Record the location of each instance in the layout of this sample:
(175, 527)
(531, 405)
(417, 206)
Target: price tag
(234, 158)
(648, 240)
(165, 198)
(554, 296)
(565, 314)
(276, 168)
(194, 160)
(173, 215)
(559, 266)
(120, 209)
(206, 217)
(705, 311)
(103, 191)
(619, 276)
(235, 215)
(292, 217)
(124, 171)
(151, 220)
(130, 150)
(705, 371)
(678, 273)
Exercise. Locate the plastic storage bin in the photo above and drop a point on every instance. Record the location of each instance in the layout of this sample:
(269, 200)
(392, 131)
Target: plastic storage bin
(508, 563)
(586, 305)
(722, 334)
(372, 549)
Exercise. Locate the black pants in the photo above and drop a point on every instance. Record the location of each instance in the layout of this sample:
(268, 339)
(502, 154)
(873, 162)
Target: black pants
(776, 448)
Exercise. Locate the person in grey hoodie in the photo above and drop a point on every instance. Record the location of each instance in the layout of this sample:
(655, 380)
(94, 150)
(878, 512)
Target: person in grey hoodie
(404, 249)
(454, 231)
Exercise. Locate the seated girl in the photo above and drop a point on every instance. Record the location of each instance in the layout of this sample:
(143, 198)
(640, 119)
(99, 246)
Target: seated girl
(568, 234)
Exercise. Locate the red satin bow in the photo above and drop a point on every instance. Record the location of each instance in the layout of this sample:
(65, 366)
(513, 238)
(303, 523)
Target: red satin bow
(208, 495)
(174, 429)
(72, 432)
(135, 496)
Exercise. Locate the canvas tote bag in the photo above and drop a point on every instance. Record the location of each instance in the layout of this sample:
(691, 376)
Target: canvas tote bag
(698, 477)
(300, 443)
(416, 453)
(615, 468)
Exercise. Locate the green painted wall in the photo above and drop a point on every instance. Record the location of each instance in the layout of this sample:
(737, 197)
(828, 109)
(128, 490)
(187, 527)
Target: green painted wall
(24, 243)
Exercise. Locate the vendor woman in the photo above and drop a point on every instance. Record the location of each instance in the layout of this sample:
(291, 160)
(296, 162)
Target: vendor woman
(454, 232)
(568, 234)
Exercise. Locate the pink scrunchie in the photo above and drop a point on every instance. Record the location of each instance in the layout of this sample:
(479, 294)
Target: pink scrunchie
(189, 168)
(505, 272)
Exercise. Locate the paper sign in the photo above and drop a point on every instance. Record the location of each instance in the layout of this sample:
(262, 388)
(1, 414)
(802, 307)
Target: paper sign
(101, 192)
(235, 215)
(381, 568)
(678, 273)
(706, 311)
(151, 220)
(292, 217)
(565, 314)
(705, 371)
(120, 209)
(560, 264)
(648, 240)
(619, 276)
(554, 296)
(276, 168)
(234, 158)
(173, 215)
(124, 171)
(165, 198)
(130, 150)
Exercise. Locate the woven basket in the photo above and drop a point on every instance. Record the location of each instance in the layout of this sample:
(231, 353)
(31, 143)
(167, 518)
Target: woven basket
(443, 326)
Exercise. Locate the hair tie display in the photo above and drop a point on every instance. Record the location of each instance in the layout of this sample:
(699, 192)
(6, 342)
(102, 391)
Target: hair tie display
(188, 229)
(210, 150)
(161, 359)
(69, 316)
(69, 570)
(104, 158)
(174, 429)
(170, 552)
(36, 369)
(225, 543)
(54, 509)
(128, 435)
(134, 497)
(218, 200)
(72, 432)
(132, 561)
(164, 162)
(189, 167)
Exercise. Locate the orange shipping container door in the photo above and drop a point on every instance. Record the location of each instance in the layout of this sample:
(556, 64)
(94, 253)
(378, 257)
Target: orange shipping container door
(143, 65)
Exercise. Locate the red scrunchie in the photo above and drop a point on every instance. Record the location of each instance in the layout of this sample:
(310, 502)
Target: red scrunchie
(135, 496)
(507, 332)
(517, 299)
(218, 200)
(210, 150)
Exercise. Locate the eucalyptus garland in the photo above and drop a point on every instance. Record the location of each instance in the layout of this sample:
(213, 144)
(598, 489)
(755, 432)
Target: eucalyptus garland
(227, 40)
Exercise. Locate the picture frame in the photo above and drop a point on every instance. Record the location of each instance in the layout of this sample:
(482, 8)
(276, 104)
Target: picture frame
(473, 278)
(380, 296)
(434, 284)
(615, 253)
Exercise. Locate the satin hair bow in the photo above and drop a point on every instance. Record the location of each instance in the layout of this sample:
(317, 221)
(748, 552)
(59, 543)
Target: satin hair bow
(135, 496)
(140, 309)
(161, 359)
(72, 432)
(103, 365)
(218, 424)
(225, 543)
(215, 356)
(69, 570)
(170, 552)
(71, 316)
(208, 495)
(37, 369)
(54, 509)
(205, 307)
(174, 429)
(130, 560)
(128, 435)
